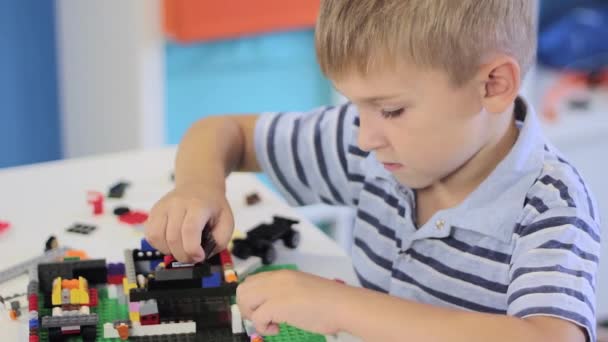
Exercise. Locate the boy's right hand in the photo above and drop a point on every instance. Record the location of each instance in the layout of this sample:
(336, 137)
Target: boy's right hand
(177, 220)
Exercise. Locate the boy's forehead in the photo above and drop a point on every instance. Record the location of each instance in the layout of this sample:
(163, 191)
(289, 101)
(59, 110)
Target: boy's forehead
(382, 83)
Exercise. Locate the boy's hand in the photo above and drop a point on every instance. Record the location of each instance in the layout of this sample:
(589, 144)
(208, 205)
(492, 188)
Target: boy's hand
(176, 222)
(303, 300)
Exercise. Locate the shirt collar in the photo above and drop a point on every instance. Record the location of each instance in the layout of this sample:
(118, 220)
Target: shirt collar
(494, 208)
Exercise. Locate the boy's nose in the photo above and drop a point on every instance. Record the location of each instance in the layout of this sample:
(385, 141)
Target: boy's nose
(370, 135)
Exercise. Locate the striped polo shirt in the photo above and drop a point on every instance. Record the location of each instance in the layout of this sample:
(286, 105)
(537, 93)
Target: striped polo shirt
(526, 242)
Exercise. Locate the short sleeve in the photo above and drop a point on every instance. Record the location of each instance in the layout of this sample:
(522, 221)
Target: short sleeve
(554, 267)
(312, 156)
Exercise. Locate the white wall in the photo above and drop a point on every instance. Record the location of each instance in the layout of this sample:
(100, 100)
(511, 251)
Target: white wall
(111, 75)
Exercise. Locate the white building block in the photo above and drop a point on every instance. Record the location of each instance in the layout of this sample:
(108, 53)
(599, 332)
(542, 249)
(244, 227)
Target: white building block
(237, 321)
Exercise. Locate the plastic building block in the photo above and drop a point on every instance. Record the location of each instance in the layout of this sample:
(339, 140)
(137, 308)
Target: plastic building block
(252, 199)
(95, 199)
(220, 335)
(32, 287)
(237, 321)
(80, 228)
(153, 330)
(134, 217)
(146, 246)
(118, 211)
(69, 320)
(32, 302)
(112, 291)
(208, 241)
(76, 254)
(143, 266)
(214, 280)
(51, 243)
(245, 267)
(230, 276)
(4, 226)
(170, 338)
(134, 316)
(23, 267)
(129, 266)
(115, 273)
(259, 241)
(226, 259)
(290, 333)
(118, 190)
(94, 271)
(148, 307)
(175, 274)
(270, 268)
(222, 291)
(256, 338)
(168, 260)
(150, 319)
(93, 297)
(127, 286)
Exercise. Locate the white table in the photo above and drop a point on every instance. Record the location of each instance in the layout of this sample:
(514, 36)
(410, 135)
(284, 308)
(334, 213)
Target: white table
(44, 199)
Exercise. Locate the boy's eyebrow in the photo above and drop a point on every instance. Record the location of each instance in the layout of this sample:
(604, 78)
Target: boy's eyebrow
(379, 98)
(375, 99)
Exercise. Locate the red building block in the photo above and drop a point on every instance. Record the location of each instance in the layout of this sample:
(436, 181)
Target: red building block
(115, 279)
(93, 297)
(32, 302)
(4, 226)
(168, 259)
(226, 258)
(134, 217)
(95, 199)
(149, 319)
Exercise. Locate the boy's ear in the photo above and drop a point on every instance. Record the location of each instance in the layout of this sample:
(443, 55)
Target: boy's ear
(499, 81)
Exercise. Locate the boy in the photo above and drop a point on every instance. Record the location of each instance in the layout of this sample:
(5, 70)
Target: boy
(470, 226)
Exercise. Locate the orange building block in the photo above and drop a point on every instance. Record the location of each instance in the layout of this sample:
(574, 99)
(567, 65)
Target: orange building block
(198, 20)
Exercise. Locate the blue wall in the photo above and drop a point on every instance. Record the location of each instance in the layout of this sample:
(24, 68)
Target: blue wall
(29, 116)
(270, 72)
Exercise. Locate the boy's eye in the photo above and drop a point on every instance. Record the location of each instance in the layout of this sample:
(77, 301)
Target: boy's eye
(392, 113)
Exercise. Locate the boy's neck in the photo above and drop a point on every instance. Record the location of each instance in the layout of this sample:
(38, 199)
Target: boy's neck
(455, 188)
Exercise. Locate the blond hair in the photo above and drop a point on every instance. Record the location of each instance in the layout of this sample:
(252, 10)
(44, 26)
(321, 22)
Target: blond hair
(451, 35)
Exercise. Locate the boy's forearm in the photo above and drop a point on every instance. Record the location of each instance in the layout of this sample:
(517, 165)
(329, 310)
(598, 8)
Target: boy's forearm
(374, 316)
(210, 150)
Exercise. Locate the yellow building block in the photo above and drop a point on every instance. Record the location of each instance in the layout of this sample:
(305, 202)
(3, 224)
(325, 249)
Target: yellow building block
(83, 284)
(56, 292)
(134, 316)
(79, 297)
(127, 286)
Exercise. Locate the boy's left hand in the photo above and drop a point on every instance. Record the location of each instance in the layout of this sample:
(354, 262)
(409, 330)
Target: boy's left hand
(303, 300)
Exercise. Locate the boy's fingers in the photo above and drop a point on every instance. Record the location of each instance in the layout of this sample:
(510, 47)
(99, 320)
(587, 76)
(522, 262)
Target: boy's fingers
(156, 226)
(223, 228)
(174, 233)
(264, 319)
(250, 294)
(193, 224)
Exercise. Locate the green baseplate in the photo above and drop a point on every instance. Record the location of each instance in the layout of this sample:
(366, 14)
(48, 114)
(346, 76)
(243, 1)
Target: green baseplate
(110, 310)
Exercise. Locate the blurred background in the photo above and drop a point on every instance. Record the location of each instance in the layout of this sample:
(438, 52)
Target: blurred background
(83, 77)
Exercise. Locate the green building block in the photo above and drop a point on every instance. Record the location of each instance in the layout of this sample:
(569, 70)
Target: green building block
(270, 268)
(290, 333)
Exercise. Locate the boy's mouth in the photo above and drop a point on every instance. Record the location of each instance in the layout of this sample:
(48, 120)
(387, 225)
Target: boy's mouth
(392, 166)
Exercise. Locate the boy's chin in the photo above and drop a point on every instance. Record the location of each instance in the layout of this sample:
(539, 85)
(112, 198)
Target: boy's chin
(414, 183)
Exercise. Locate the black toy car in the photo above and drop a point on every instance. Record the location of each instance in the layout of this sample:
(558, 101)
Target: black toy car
(259, 240)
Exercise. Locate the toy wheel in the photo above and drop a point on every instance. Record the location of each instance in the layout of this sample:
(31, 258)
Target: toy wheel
(88, 333)
(241, 249)
(268, 253)
(292, 239)
(55, 335)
